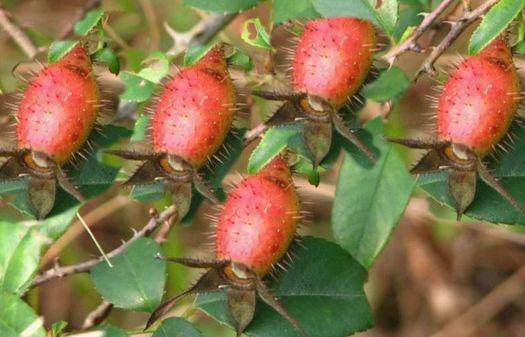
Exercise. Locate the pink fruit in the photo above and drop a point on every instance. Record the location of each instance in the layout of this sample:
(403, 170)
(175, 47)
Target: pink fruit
(333, 58)
(59, 108)
(195, 110)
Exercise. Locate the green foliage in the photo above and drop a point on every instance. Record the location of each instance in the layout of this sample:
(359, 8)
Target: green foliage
(107, 56)
(18, 319)
(230, 6)
(176, 327)
(261, 38)
(92, 19)
(136, 279)
(494, 23)
(284, 10)
(390, 85)
(378, 195)
(156, 67)
(137, 88)
(194, 54)
(323, 281)
(58, 49)
(384, 16)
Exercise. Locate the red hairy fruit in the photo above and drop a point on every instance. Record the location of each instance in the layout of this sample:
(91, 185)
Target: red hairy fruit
(333, 58)
(59, 107)
(195, 110)
(259, 219)
(480, 99)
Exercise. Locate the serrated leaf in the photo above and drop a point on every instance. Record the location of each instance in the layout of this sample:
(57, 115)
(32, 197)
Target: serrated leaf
(230, 6)
(18, 319)
(21, 245)
(261, 38)
(92, 18)
(107, 56)
(195, 53)
(157, 66)
(497, 19)
(240, 59)
(137, 89)
(488, 205)
(384, 16)
(284, 10)
(91, 175)
(370, 201)
(323, 281)
(58, 49)
(176, 327)
(390, 85)
(136, 280)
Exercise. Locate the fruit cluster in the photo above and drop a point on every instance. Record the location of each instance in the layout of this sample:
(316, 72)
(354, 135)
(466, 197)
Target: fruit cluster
(194, 112)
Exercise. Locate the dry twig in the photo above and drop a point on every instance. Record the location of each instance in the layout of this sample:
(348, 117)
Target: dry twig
(17, 34)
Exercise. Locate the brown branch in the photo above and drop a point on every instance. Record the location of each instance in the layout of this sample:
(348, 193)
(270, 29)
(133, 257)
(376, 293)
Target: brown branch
(254, 133)
(457, 28)
(198, 35)
(411, 44)
(58, 272)
(17, 34)
(97, 316)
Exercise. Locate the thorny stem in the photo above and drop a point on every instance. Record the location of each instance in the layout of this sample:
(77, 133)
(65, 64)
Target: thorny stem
(457, 28)
(17, 34)
(58, 272)
(411, 44)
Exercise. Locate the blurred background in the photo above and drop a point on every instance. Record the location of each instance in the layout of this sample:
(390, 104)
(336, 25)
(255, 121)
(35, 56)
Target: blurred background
(435, 278)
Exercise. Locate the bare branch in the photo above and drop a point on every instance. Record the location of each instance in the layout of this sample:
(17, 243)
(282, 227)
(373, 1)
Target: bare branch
(97, 316)
(152, 225)
(17, 34)
(198, 35)
(411, 44)
(457, 28)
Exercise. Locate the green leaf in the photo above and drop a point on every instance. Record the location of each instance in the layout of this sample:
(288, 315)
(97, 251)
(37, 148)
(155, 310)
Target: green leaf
(261, 38)
(274, 141)
(322, 290)
(195, 53)
(137, 89)
(140, 128)
(22, 244)
(17, 319)
(176, 327)
(390, 85)
(284, 10)
(240, 59)
(57, 329)
(488, 205)
(92, 18)
(370, 201)
(136, 280)
(230, 6)
(519, 48)
(385, 16)
(58, 49)
(157, 66)
(107, 56)
(91, 175)
(494, 23)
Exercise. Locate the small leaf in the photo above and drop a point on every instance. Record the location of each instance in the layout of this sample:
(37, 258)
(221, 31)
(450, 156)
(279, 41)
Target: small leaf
(107, 56)
(390, 85)
(21, 245)
(157, 66)
(378, 197)
(17, 319)
(57, 329)
(137, 89)
(240, 59)
(58, 49)
(488, 205)
(195, 53)
(92, 18)
(519, 48)
(176, 327)
(136, 280)
(284, 10)
(261, 38)
(385, 16)
(230, 6)
(494, 23)
(323, 281)
(140, 128)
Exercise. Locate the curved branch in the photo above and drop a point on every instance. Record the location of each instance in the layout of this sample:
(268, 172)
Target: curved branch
(17, 34)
